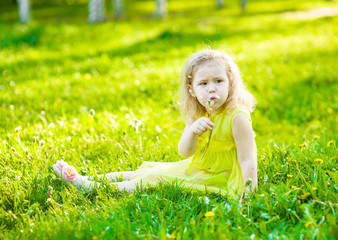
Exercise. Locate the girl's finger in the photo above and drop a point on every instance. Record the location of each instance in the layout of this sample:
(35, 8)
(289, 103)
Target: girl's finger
(201, 129)
(206, 125)
(209, 123)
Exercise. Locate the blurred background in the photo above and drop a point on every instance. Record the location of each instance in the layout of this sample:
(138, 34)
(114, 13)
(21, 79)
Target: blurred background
(64, 57)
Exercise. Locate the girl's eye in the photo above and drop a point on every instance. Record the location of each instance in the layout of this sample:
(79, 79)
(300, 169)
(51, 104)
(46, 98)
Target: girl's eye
(203, 83)
(219, 81)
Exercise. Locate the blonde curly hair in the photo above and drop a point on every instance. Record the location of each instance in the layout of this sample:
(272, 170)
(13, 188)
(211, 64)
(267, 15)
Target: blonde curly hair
(238, 93)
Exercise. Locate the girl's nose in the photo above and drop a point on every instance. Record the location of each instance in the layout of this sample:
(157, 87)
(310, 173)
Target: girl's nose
(211, 88)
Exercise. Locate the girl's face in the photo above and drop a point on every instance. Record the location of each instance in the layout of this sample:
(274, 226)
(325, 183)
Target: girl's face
(210, 83)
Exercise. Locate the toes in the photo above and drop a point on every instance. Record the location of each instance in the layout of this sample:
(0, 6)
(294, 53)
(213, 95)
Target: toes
(69, 173)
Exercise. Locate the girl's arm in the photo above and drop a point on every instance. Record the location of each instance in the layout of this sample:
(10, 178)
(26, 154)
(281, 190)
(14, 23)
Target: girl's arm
(187, 143)
(245, 145)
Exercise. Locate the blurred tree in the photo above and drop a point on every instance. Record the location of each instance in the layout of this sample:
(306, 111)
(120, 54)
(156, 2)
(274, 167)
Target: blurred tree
(220, 3)
(96, 11)
(161, 8)
(24, 10)
(118, 8)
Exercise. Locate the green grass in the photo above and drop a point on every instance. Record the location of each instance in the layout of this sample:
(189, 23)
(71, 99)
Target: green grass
(54, 70)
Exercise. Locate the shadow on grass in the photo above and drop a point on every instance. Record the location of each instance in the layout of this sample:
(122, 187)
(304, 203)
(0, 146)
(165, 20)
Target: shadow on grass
(165, 41)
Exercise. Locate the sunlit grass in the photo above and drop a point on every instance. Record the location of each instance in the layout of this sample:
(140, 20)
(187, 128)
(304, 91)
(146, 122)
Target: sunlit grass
(57, 71)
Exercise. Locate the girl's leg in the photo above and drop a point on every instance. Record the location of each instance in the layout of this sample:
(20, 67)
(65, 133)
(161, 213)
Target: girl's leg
(128, 186)
(69, 175)
(111, 177)
(114, 176)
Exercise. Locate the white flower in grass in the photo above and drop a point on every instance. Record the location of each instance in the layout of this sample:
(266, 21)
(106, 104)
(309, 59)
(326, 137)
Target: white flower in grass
(75, 120)
(11, 107)
(69, 138)
(41, 143)
(51, 125)
(92, 112)
(158, 129)
(61, 123)
(17, 129)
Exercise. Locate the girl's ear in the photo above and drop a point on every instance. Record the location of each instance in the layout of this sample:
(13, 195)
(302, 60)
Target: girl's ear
(191, 91)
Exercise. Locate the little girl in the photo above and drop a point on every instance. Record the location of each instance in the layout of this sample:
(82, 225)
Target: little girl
(218, 140)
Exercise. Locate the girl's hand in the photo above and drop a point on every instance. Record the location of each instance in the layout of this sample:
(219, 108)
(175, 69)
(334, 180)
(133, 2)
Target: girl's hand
(201, 125)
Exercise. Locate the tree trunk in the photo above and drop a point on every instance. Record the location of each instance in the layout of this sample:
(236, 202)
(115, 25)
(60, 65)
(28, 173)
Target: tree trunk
(220, 3)
(118, 8)
(244, 3)
(161, 8)
(96, 11)
(24, 11)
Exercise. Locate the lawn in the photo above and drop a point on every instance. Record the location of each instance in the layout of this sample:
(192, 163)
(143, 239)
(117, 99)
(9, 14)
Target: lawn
(105, 97)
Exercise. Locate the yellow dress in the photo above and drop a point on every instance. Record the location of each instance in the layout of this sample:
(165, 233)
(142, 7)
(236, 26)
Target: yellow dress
(218, 171)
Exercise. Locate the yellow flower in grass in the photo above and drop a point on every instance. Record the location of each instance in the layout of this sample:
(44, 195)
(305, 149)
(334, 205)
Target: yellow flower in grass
(171, 236)
(307, 224)
(209, 214)
(294, 187)
(289, 175)
(329, 143)
(316, 137)
(302, 145)
(330, 110)
(319, 160)
(305, 195)
(277, 173)
(314, 188)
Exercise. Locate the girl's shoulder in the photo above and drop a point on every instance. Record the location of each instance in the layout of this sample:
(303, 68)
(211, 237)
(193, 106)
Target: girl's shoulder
(238, 109)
